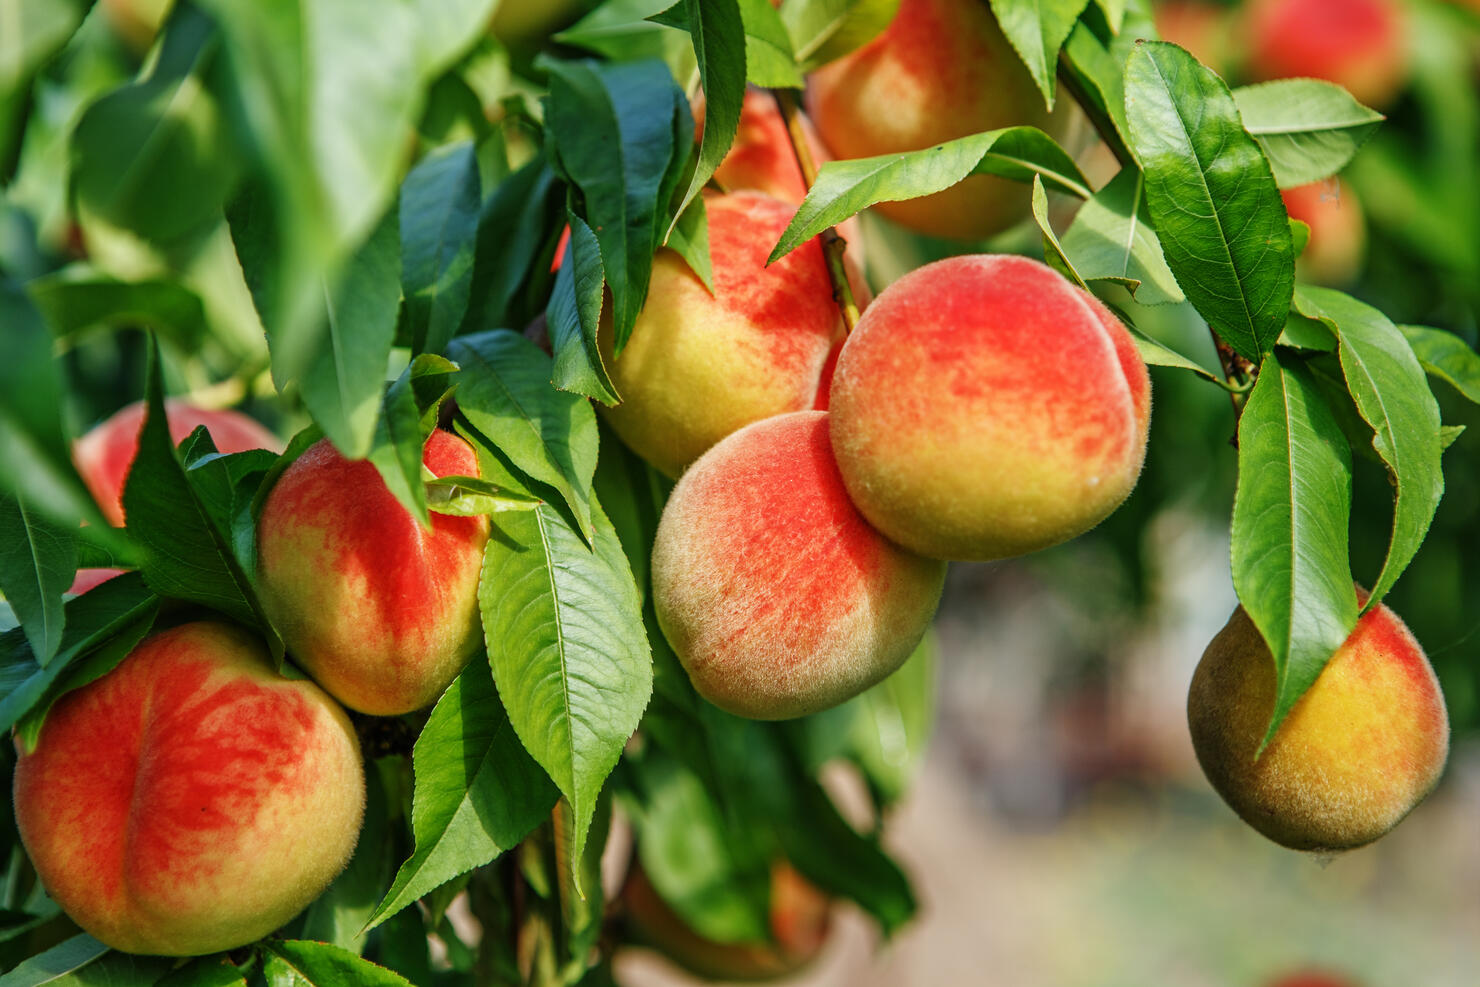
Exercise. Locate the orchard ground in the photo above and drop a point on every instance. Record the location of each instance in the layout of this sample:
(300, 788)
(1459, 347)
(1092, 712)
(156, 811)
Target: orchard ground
(1060, 833)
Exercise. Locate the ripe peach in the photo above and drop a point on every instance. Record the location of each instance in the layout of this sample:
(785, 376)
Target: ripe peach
(382, 612)
(986, 407)
(941, 70)
(1338, 235)
(1359, 750)
(778, 597)
(104, 455)
(1357, 44)
(193, 799)
(800, 922)
(699, 366)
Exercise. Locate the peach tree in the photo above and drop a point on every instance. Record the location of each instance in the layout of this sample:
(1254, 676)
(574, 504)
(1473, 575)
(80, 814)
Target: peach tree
(369, 224)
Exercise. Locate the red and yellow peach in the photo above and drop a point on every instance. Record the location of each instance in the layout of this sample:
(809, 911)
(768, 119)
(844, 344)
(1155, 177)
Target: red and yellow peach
(193, 799)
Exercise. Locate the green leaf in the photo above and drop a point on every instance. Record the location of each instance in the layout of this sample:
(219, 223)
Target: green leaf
(824, 30)
(35, 457)
(1114, 11)
(407, 416)
(1093, 66)
(563, 624)
(1158, 355)
(37, 561)
(340, 915)
(343, 380)
(439, 223)
(207, 971)
(297, 963)
(1309, 129)
(82, 961)
(578, 881)
(1387, 383)
(1448, 357)
(185, 553)
(518, 221)
(1053, 251)
(1211, 194)
(847, 187)
(504, 391)
(1037, 29)
(573, 317)
(156, 157)
(35, 30)
(92, 619)
(630, 113)
(478, 792)
(74, 301)
(769, 60)
(1290, 516)
(625, 30)
(469, 496)
(1111, 239)
(689, 239)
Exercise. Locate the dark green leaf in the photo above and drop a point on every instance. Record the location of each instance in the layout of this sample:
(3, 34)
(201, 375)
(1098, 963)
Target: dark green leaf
(37, 562)
(58, 965)
(1290, 516)
(1037, 29)
(208, 971)
(439, 222)
(847, 187)
(504, 391)
(563, 624)
(1447, 357)
(74, 303)
(477, 793)
(297, 963)
(573, 316)
(1211, 194)
(1309, 129)
(518, 221)
(1385, 380)
(1111, 238)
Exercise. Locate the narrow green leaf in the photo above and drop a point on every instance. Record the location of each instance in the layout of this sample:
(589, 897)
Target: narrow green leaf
(439, 223)
(1309, 128)
(690, 240)
(1053, 251)
(57, 965)
(1114, 11)
(469, 496)
(518, 219)
(1387, 383)
(563, 624)
(769, 59)
(824, 30)
(1111, 239)
(504, 390)
(1037, 29)
(477, 794)
(37, 561)
(316, 964)
(847, 187)
(1159, 355)
(1448, 357)
(573, 317)
(75, 301)
(407, 416)
(1211, 194)
(1290, 516)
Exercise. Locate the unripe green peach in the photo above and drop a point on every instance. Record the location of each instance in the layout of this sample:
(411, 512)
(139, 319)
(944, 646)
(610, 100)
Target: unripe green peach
(800, 921)
(698, 366)
(985, 407)
(777, 596)
(941, 70)
(193, 799)
(1357, 752)
(382, 612)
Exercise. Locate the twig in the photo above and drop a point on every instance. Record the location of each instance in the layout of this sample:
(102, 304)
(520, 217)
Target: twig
(833, 245)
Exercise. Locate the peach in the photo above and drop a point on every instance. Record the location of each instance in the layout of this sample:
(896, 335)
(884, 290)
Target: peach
(382, 612)
(800, 921)
(777, 596)
(1357, 752)
(104, 455)
(1338, 234)
(986, 407)
(941, 70)
(192, 799)
(1358, 44)
(698, 366)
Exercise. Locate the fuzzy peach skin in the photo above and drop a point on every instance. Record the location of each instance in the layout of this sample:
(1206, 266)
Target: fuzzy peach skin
(800, 921)
(941, 70)
(1360, 45)
(1359, 750)
(1338, 233)
(985, 407)
(104, 455)
(193, 799)
(699, 366)
(778, 597)
(382, 612)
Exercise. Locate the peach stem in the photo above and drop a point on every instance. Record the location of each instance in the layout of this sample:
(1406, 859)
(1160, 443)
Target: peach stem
(833, 245)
